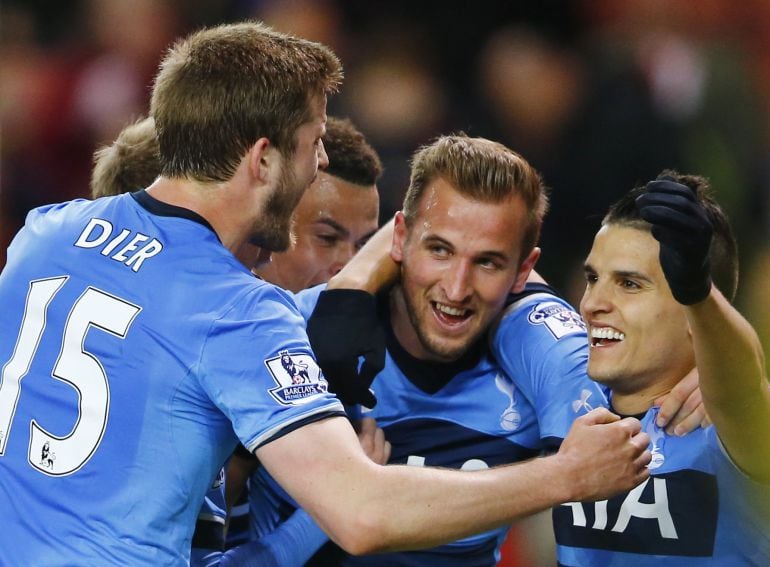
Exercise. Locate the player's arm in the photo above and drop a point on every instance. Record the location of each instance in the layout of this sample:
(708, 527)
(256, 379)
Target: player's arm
(371, 269)
(728, 353)
(733, 382)
(293, 542)
(367, 508)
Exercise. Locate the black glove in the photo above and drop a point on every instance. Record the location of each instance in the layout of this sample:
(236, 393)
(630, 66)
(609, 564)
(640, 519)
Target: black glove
(344, 325)
(684, 231)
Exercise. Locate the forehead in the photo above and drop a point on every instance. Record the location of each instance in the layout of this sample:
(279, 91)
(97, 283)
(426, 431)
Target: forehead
(446, 213)
(344, 202)
(623, 248)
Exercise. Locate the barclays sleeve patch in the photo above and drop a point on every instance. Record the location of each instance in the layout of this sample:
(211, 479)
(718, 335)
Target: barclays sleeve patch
(557, 318)
(297, 376)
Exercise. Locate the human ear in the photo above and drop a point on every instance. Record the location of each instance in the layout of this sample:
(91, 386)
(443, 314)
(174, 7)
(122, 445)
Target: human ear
(524, 270)
(399, 237)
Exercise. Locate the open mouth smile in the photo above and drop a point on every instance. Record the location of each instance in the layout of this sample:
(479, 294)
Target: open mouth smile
(605, 336)
(450, 315)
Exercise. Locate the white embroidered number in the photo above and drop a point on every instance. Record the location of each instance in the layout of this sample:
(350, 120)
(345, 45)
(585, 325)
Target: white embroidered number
(49, 454)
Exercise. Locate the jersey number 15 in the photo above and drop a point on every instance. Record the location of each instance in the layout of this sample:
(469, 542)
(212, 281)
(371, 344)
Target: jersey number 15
(52, 455)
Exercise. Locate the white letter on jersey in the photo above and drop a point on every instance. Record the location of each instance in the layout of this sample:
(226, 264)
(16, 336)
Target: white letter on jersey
(85, 373)
(658, 510)
(92, 225)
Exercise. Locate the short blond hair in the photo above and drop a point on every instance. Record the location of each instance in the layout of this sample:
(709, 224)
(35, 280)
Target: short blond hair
(482, 170)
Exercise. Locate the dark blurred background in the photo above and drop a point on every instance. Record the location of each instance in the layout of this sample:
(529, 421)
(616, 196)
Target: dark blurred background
(599, 95)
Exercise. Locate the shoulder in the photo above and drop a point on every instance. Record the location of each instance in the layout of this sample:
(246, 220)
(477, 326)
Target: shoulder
(537, 322)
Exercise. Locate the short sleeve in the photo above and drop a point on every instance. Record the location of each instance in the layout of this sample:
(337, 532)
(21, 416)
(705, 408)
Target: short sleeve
(258, 368)
(541, 343)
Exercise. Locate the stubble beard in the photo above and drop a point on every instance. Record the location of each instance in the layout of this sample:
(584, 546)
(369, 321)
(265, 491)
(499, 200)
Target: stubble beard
(274, 230)
(436, 348)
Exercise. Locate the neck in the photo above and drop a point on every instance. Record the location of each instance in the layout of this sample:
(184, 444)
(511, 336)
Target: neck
(402, 325)
(210, 200)
(639, 401)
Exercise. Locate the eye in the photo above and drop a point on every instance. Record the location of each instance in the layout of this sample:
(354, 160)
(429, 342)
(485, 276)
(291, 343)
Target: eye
(489, 264)
(630, 284)
(439, 250)
(591, 278)
(327, 239)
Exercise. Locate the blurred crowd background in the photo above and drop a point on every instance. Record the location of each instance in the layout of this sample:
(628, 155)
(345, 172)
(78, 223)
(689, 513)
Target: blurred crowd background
(600, 95)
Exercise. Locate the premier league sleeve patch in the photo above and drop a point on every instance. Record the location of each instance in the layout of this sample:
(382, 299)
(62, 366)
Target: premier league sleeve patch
(557, 318)
(298, 378)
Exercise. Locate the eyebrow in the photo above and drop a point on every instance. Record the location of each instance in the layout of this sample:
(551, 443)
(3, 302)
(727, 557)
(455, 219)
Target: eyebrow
(330, 222)
(620, 273)
(502, 256)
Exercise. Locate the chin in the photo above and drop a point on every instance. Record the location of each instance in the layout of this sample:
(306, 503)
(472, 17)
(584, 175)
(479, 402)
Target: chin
(446, 352)
(602, 377)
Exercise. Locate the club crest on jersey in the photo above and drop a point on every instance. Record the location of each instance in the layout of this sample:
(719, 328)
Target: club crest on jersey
(298, 377)
(510, 419)
(558, 319)
(657, 441)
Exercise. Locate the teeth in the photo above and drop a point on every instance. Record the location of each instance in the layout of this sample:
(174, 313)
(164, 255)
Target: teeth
(450, 310)
(607, 333)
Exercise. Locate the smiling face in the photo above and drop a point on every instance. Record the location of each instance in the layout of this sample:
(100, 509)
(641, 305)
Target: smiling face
(459, 259)
(333, 220)
(640, 340)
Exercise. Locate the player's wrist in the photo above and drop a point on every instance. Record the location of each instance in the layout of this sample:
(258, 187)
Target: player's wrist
(559, 474)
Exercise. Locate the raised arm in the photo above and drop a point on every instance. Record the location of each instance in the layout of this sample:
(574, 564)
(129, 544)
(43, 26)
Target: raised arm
(728, 353)
(733, 382)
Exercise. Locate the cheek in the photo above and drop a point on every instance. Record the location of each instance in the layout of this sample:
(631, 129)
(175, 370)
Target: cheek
(494, 290)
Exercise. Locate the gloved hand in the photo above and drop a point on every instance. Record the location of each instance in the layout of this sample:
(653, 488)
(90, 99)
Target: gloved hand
(343, 326)
(684, 231)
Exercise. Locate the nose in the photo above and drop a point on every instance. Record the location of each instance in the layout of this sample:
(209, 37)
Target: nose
(594, 301)
(457, 282)
(323, 159)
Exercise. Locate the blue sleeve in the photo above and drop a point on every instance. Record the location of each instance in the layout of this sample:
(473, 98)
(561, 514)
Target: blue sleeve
(307, 298)
(257, 367)
(541, 344)
(292, 543)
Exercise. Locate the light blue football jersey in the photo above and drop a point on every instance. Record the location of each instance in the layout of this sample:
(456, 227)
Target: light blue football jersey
(697, 508)
(541, 343)
(135, 352)
(465, 415)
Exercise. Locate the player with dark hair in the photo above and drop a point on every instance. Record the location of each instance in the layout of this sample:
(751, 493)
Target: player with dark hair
(659, 280)
(337, 214)
(135, 342)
